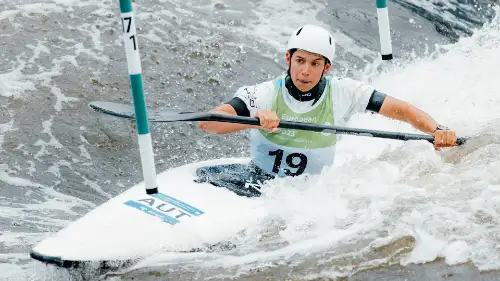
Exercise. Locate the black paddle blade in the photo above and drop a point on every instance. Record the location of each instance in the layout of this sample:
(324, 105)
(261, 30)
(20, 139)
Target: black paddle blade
(168, 116)
(113, 109)
(158, 115)
(462, 140)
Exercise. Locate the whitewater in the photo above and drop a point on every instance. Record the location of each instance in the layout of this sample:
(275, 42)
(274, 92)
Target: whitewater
(384, 207)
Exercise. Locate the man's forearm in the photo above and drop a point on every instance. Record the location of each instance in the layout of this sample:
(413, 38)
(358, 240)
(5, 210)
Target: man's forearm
(223, 127)
(420, 120)
(403, 111)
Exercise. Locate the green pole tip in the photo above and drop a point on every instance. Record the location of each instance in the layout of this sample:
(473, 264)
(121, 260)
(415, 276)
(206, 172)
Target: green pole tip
(125, 6)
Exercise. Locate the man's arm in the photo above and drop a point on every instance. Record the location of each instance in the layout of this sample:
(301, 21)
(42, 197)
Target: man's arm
(223, 127)
(365, 98)
(249, 101)
(403, 111)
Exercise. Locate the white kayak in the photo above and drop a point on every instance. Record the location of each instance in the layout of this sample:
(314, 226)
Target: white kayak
(183, 216)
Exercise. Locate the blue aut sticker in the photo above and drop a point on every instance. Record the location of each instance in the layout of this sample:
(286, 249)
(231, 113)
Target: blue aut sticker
(169, 209)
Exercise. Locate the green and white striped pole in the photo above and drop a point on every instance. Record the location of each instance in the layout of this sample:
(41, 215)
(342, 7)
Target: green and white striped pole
(135, 72)
(384, 30)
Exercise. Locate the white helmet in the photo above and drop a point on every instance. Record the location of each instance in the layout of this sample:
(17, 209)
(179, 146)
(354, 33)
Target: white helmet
(313, 39)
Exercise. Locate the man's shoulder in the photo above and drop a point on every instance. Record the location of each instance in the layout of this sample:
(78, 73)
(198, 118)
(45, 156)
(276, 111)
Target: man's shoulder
(259, 95)
(270, 84)
(262, 86)
(349, 84)
(260, 89)
(341, 80)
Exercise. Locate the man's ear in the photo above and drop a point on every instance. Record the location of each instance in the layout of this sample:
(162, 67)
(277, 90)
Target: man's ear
(327, 68)
(288, 58)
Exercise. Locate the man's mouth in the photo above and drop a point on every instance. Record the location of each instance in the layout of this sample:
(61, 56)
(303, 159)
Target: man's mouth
(303, 81)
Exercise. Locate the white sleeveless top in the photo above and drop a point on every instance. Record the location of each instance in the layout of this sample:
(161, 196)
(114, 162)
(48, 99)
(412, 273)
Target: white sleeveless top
(295, 152)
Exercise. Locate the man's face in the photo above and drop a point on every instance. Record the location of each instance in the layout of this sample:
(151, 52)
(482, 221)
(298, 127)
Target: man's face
(306, 69)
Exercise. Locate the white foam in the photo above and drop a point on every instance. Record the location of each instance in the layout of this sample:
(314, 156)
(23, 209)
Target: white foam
(12, 239)
(49, 209)
(15, 83)
(19, 267)
(456, 252)
(4, 128)
(152, 36)
(443, 8)
(95, 186)
(79, 49)
(44, 144)
(94, 33)
(270, 22)
(60, 97)
(27, 10)
(58, 203)
(15, 181)
(83, 152)
(277, 19)
(37, 50)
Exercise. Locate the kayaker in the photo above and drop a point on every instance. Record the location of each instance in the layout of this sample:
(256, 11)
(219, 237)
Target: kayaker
(304, 94)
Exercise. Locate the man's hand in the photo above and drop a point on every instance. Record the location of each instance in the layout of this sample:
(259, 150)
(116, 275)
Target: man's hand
(268, 120)
(444, 138)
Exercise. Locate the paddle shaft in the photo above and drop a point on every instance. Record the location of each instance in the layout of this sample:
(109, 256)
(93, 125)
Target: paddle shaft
(125, 111)
(321, 128)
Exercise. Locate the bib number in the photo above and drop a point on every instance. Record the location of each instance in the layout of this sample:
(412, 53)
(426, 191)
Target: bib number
(291, 160)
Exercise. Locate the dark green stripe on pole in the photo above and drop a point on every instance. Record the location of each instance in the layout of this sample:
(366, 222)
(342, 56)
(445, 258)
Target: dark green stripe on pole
(381, 4)
(125, 6)
(139, 104)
